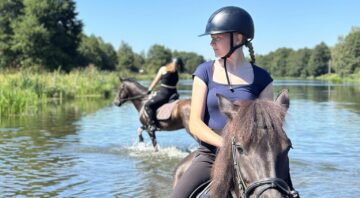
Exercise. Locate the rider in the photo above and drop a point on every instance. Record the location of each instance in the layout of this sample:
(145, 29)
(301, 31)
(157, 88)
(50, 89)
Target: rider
(230, 75)
(169, 77)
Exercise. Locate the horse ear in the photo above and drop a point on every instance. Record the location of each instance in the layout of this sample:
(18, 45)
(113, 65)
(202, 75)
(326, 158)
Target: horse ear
(283, 98)
(121, 79)
(226, 106)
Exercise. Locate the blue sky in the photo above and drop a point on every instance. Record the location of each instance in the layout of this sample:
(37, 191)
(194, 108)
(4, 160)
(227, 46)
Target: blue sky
(177, 24)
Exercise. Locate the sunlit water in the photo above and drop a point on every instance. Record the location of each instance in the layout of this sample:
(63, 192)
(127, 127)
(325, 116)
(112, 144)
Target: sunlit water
(91, 150)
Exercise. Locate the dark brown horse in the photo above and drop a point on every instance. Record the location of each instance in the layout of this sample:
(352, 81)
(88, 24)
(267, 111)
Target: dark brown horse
(253, 161)
(130, 90)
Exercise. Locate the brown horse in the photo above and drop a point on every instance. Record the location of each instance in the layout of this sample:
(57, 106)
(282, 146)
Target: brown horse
(130, 90)
(253, 161)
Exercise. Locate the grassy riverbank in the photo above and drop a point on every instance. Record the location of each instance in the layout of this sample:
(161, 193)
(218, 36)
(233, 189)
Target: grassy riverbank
(25, 92)
(354, 78)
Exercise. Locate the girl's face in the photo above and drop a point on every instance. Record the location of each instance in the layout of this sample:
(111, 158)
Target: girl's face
(221, 43)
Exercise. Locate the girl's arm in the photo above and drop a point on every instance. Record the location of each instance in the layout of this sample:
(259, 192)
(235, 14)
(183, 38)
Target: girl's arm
(196, 124)
(156, 79)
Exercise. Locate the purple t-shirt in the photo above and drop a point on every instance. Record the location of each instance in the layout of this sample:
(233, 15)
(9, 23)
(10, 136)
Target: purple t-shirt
(213, 117)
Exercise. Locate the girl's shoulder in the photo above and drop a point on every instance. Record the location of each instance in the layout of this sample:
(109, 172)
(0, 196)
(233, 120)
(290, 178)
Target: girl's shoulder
(259, 71)
(163, 70)
(203, 71)
(206, 66)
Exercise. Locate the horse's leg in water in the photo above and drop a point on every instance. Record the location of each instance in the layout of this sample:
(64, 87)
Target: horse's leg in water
(153, 139)
(139, 131)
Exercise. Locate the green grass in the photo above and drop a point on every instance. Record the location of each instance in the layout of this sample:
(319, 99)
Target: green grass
(355, 78)
(26, 93)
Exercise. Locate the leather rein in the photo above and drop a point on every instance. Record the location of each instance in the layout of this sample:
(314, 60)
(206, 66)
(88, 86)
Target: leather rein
(134, 97)
(266, 183)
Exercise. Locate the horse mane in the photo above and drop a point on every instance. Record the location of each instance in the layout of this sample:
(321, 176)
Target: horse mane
(134, 82)
(252, 121)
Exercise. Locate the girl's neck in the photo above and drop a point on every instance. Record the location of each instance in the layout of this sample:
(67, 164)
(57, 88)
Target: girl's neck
(235, 61)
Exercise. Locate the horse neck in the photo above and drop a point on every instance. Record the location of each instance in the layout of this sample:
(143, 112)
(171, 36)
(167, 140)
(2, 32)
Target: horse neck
(136, 91)
(138, 103)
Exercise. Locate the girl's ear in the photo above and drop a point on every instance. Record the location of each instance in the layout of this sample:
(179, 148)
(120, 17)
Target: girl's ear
(238, 38)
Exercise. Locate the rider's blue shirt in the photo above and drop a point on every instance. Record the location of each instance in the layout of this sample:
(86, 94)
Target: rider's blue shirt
(213, 117)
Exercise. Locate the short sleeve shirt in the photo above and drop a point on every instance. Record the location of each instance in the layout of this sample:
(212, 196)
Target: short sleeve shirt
(213, 117)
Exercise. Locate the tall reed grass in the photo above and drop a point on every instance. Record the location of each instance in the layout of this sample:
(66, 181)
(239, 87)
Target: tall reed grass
(26, 93)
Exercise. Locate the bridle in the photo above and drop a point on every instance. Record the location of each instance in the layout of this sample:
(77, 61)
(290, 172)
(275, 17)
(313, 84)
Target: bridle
(134, 97)
(122, 100)
(266, 183)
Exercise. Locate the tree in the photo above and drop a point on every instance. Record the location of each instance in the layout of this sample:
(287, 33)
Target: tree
(297, 62)
(319, 60)
(10, 11)
(157, 56)
(93, 50)
(126, 58)
(108, 56)
(264, 61)
(346, 54)
(279, 61)
(139, 61)
(191, 60)
(48, 34)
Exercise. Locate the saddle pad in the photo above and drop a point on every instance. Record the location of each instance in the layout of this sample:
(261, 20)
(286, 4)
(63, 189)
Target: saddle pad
(164, 112)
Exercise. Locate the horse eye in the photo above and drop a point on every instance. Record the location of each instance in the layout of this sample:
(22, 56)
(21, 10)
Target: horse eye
(239, 148)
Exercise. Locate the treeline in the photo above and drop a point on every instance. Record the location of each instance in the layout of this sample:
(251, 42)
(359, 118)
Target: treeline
(342, 59)
(46, 35)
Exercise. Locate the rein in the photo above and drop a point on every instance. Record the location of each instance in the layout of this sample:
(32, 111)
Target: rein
(266, 183)
(134, 97)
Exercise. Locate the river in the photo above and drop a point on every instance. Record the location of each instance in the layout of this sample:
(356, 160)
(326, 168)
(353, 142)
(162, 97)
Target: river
(88, 147)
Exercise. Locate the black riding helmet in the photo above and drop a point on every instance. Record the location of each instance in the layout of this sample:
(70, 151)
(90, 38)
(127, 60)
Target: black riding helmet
(231, 19)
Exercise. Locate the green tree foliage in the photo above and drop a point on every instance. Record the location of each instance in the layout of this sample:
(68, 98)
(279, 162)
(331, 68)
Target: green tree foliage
(139, 61)
(47, 34)
(276, 62)
(93, 50)
(263, 61)
(126, 58)
(297, 62)
(319, 60)
(346, 54)
(9, 13)
(157, 56)
(191, 60)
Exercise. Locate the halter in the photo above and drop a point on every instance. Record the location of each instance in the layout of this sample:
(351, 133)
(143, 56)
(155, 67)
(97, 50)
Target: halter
(134, 97)
(266, 183)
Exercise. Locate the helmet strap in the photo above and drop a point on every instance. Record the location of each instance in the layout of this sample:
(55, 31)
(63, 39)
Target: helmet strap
(231, 51)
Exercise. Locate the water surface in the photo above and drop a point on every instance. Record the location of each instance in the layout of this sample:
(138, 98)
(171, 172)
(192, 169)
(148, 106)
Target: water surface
(89, 148)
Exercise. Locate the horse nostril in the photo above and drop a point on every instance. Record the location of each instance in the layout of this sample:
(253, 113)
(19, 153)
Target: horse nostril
(116, 103)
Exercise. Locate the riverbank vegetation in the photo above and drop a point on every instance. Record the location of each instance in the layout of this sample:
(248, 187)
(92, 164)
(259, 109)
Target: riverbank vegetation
(27, 92)
(44, 54)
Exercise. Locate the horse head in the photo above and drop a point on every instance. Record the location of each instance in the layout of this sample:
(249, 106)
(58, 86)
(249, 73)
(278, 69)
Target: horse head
(255, 150)
(129, 90)
(121, 94)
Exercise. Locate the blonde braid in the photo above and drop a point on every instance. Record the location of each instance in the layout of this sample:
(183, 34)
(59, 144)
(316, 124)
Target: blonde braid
(249, 45)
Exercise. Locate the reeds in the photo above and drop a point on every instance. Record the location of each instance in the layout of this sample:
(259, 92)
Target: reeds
(25, 92)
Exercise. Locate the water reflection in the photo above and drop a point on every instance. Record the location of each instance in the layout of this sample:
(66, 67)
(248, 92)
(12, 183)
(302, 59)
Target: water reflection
(344, 95)
(31, 161)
